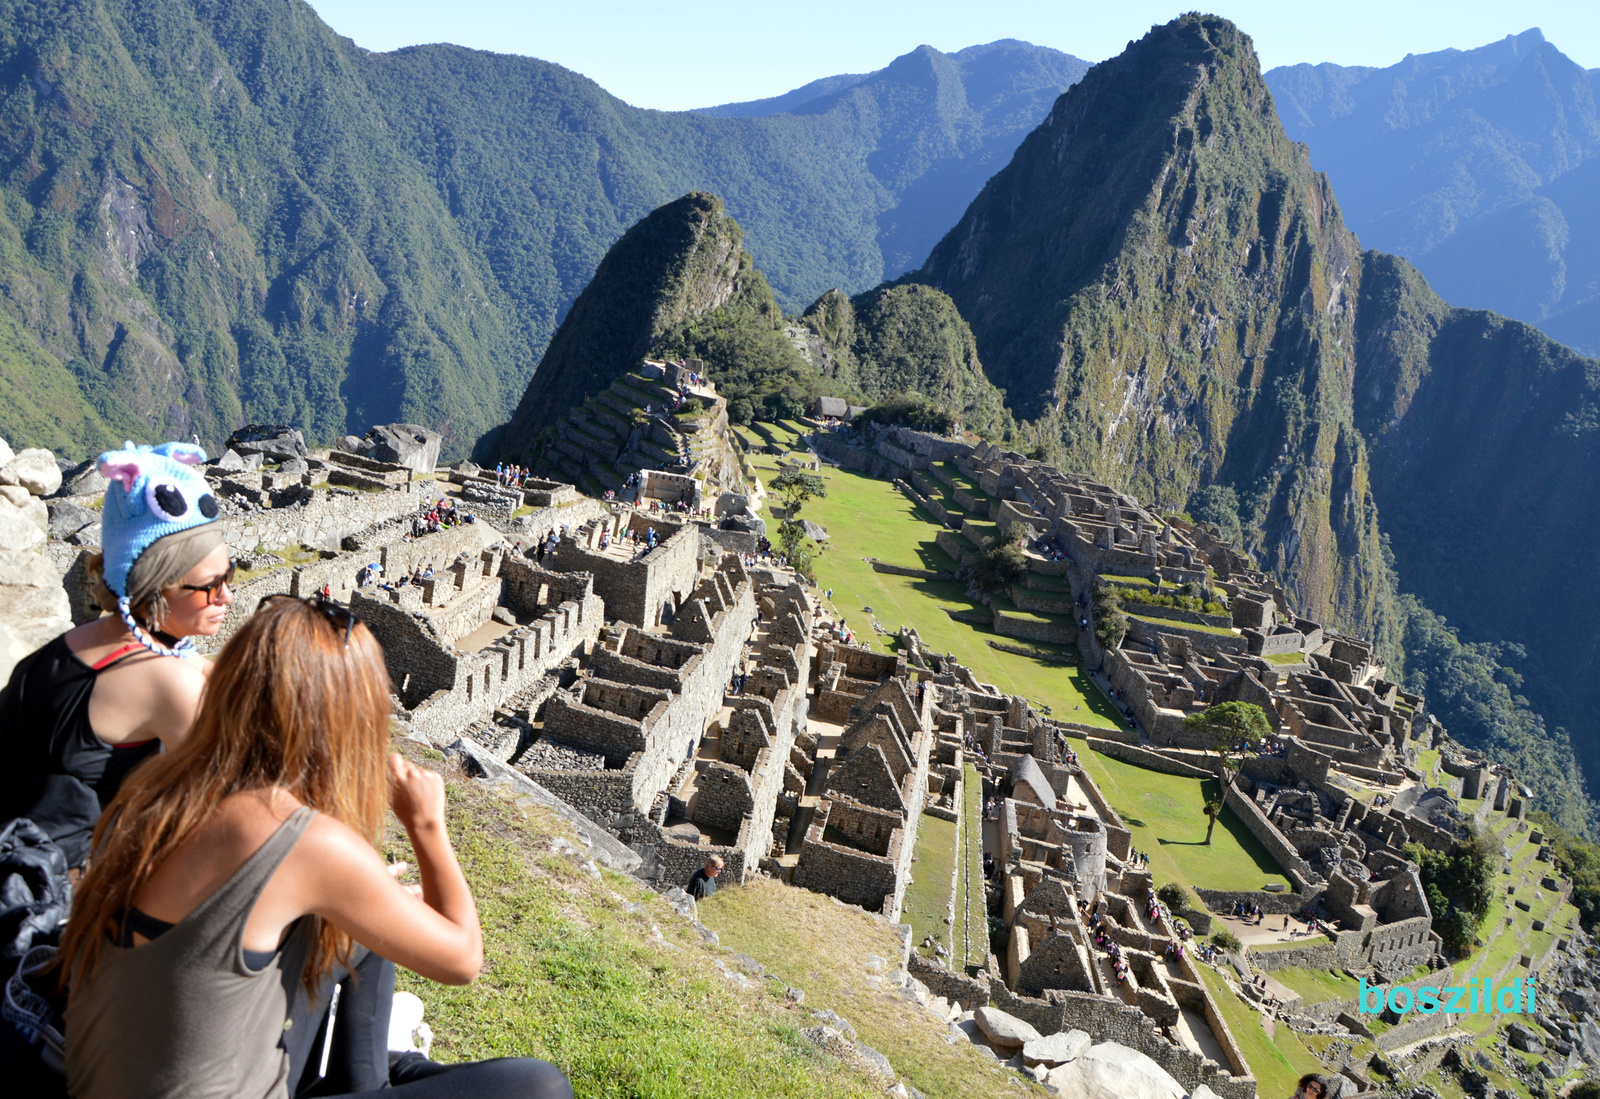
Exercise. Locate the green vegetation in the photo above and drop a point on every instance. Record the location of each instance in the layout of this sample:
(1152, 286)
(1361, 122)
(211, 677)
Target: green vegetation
(1279, 1060)
(1222, 631)
(907, 347)
(1578, 859)
(1232, 722)
(626, 1003)
(1226, 940)
(795, 487)
(1316, 986)
(917, 413)
(325, 236)
(927, 899)
(814, 944)
(1460, 886)
(1473, 692)
(1176, 600)
(1219, 506)
(867, 518)
(1162, 811)
(1001, 563)
(1110, 623)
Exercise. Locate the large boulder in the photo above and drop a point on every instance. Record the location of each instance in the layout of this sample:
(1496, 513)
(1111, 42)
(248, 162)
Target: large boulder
(83, 479)
(1004, 1031)
(271, 441)
(407, 445)
(33, 605)
(67, 518)
(749, 524)
(6, 453)
(18, 532)
(34, 469)
(1055, 1049)
(813, 531)
(1111, 1070)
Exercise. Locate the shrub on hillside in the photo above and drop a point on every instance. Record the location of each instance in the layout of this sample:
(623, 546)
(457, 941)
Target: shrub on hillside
(1174, 896)
(913, 411)
(1226, 940)
(1460, 887)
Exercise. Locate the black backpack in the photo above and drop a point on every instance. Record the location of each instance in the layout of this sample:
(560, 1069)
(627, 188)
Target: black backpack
(35, 897)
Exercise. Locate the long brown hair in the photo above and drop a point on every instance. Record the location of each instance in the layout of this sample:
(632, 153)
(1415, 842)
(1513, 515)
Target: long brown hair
(289, 704)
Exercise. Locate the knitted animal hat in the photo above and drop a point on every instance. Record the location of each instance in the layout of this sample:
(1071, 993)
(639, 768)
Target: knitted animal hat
(153, 492)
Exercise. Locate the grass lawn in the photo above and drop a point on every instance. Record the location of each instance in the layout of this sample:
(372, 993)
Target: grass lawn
(599, 977)
(961, 480)
(1286, 658)
(927, 900)
(1173, 623)
(818, 945)
(870, 518)
(971, 901)
(1316, 986)
(1279, 1060)
(1164, 813)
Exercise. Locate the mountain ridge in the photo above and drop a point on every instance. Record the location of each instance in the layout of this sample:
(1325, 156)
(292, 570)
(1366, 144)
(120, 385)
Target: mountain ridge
(221, 213)
(1477, 165)
(1167, 290)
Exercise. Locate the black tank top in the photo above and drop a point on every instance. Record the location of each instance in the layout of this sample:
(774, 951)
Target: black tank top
(58, 773)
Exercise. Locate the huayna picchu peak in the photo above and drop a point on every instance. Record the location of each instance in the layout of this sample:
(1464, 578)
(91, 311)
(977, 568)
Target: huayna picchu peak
(1166, 290)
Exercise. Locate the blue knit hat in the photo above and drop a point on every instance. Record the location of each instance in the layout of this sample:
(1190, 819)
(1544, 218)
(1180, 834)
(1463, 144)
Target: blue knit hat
(153, 492)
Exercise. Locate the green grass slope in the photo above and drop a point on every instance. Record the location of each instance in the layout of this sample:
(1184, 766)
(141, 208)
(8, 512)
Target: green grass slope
(594, 973)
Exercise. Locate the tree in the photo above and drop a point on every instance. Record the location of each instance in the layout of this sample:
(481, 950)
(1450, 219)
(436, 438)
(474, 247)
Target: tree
(914, 411)
(1174, 897)
(1231, 723)
(1459, 884)
(1219, 506)
(1002, 563)
(796, 486)
(1110, 624)
(1212, 808)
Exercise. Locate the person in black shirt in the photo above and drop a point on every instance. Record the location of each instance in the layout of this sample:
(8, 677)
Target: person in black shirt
(704, 882)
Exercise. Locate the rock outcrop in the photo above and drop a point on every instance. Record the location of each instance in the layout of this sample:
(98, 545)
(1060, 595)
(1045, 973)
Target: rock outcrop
(33, 605)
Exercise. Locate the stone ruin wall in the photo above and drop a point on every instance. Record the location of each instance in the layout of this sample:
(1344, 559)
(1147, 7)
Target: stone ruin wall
(874, 882)
(670, 735)
(638, 591)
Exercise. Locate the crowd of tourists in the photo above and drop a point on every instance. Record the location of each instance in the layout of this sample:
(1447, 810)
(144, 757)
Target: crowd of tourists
(219, 822)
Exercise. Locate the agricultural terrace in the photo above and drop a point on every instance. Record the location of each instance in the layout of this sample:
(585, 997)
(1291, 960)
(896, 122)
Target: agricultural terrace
(867, 518)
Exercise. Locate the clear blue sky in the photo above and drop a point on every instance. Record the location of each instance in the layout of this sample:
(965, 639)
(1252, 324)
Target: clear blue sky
(676, 55)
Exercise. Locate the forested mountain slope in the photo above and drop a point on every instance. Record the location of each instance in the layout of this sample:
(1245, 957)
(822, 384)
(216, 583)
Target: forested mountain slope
(1166, 288)
(1479, 166)
(212, 213)
(680, 284)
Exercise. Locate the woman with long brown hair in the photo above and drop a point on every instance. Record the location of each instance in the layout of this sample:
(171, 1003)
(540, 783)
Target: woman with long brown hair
(245, 860)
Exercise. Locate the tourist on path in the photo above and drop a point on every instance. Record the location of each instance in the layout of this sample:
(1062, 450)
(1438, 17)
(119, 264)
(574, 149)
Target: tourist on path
(243, 865)
(83, 711)
(704, 881)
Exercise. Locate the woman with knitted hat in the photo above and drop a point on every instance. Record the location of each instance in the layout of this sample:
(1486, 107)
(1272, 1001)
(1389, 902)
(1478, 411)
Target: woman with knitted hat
(82, 712)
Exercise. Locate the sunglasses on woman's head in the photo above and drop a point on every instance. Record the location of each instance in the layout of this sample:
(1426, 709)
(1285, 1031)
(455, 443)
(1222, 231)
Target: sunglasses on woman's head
(335, 613)
(211, 589)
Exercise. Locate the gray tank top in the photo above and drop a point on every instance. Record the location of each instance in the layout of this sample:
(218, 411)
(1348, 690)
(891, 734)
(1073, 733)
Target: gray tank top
(183, 1015)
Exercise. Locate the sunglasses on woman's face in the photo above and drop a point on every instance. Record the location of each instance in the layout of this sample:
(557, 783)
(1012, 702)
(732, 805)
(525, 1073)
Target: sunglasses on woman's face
(333, 612)
(211, 589)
